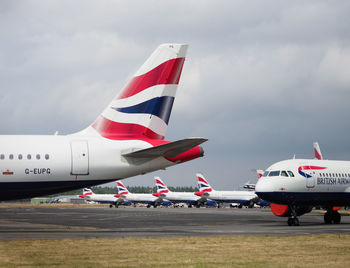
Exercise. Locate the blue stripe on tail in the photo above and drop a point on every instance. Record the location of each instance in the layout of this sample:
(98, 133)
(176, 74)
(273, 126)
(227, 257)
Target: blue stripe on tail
(160, 107)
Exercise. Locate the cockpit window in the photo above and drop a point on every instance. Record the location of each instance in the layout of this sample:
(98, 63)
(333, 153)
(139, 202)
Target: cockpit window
(265, 174)
(284, 173)
(274, 173)
(290, 173)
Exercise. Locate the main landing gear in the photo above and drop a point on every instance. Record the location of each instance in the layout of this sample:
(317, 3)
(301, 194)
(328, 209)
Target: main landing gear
(293, 218)
(332, 216)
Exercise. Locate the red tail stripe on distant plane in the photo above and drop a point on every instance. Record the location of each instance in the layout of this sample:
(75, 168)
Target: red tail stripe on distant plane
(202, 180)
(120, 184)
(159, 182)
(203, 191)
(318, 156)
(166, 73)
(83, 195)
(161, 192)
(123, 131)
(119, 195)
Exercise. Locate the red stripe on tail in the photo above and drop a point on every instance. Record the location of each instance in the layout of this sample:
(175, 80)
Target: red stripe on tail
(123, 131)
(166, 73)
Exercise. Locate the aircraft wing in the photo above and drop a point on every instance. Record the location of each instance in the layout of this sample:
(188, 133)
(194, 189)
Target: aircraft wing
(171, 149)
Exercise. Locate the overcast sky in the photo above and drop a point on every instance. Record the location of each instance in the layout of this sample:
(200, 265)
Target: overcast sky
(262, 79)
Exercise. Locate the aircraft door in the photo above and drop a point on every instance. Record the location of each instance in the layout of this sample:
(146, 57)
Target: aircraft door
(310, 182)
(80, 158)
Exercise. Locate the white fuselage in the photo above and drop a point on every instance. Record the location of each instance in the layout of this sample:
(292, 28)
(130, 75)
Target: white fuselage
(102, 198)
(181, 197)
(36, 165)
(313, 182)
(142, 198)
(232, 196)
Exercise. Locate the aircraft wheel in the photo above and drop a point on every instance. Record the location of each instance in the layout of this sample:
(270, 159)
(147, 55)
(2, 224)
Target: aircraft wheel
(293, 222)
(189, 205)
(111, 206)
(296, 222)
(328, 217)
(148, 206)
(336, 217)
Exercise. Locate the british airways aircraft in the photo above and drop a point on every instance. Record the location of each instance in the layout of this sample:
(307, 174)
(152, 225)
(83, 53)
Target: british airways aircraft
(126, 140)
(110, 199)
(149, 199)
(295, 186)
(245, 198)
(180, 197)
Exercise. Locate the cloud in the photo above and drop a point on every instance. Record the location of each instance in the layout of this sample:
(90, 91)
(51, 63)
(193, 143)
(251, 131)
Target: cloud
(262, 80)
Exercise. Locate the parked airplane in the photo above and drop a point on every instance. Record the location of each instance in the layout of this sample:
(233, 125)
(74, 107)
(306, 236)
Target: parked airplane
(148, 199)
(180, 197)
(244, 198)
(110, 199)
(295, 186)
(126, 140)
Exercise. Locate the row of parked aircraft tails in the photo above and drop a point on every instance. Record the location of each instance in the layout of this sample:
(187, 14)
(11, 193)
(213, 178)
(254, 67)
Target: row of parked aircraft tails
(206, 196)
(128, 139)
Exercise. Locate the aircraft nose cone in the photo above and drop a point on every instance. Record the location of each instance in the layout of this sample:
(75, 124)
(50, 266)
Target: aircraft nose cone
(264, 186)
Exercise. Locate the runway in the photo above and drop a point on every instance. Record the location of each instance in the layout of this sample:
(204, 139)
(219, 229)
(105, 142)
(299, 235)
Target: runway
(25, 222)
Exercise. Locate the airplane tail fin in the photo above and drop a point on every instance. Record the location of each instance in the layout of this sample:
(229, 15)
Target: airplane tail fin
(143, 107)
(122, 190)
(86, 192)
(260, 173)
(317, 151)
(203, 184)
(161, 187)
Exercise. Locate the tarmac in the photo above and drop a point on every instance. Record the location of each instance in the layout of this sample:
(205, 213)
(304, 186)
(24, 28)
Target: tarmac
(26, 222)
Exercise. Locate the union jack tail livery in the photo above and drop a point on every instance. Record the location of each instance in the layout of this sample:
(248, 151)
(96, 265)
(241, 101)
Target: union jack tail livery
(143, 107)
(161, 187)
(317, 151)
(86, 192)
(122, 190)
(203, 185)
(260, 173)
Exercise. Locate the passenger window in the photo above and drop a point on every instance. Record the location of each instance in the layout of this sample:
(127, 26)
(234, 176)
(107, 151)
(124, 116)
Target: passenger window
(11, 156)
(290, 173)
(284, 174)
(274, 173)
(47, 157)
(2, 156)
(38, 156)
(20, 156)
(29, 156)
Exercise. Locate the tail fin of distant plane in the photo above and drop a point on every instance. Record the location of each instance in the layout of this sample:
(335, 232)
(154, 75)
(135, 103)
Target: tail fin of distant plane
(260, 173)
(143, 107)
(161, 187)
(203, 184)
(317, 151)
(86, 192)
(122, 190)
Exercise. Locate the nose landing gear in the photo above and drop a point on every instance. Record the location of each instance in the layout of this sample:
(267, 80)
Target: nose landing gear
(293, 218)
(332, 216)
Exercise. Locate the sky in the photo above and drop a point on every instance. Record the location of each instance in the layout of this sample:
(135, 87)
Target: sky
(262, 80)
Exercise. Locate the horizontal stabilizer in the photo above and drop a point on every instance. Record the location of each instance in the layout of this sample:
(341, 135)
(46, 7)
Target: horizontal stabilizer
(171, 149)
